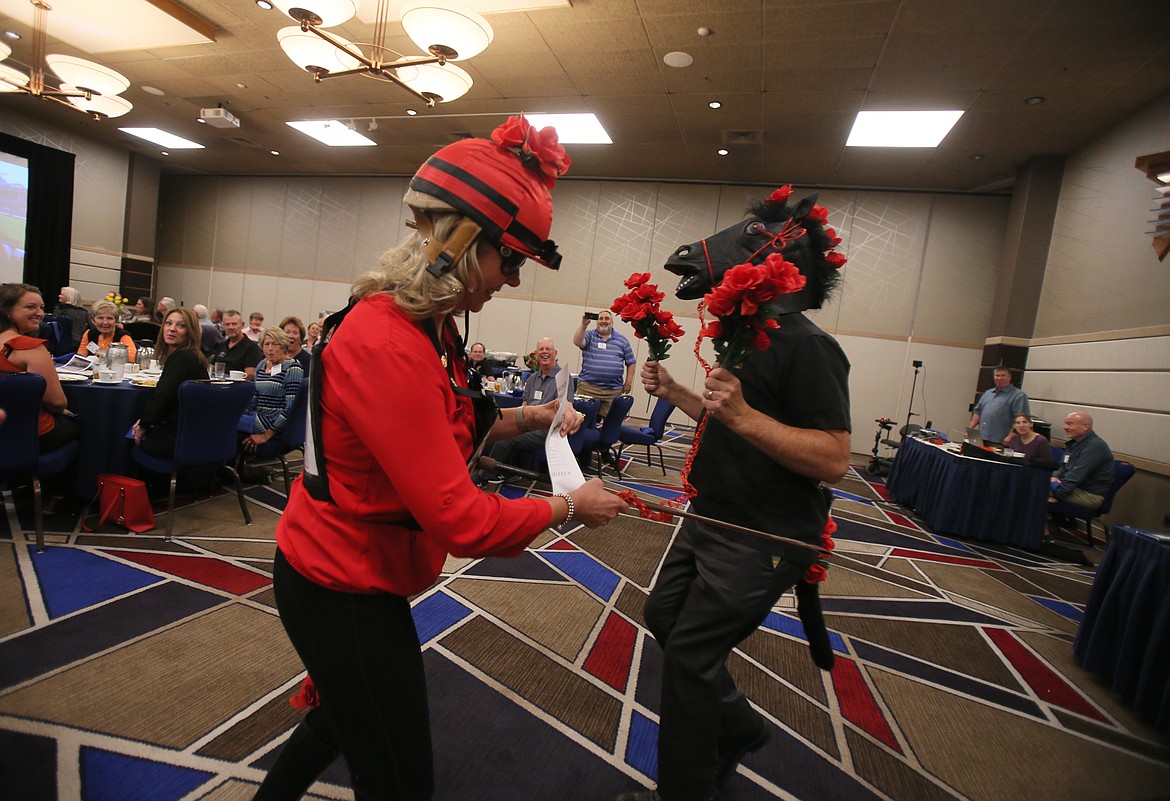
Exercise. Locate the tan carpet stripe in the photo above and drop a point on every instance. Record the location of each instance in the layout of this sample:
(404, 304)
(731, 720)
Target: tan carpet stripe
(889, 774)
(786, 705)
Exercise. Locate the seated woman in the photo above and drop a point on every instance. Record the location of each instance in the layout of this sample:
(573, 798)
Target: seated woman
(21, 310)
(140, 312)
(105, 332)
(312, 334)
(177, 350)
(294, 329)
(1026, 441)
(69, 308)
(278, 379)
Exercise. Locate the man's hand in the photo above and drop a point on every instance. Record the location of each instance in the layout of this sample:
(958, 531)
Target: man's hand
(723, 396)
(656, 380)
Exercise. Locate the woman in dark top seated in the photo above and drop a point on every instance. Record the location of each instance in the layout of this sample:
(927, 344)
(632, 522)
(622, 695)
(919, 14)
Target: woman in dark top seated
(1026, 441)
(177, 350)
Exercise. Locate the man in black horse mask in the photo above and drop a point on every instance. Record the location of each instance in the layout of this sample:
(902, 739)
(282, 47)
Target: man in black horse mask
(777, 427)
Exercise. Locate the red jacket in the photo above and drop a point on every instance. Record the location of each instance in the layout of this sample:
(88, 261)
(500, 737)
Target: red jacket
(396, 442)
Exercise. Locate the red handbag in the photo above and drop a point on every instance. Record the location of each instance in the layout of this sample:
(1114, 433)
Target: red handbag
(122, 501)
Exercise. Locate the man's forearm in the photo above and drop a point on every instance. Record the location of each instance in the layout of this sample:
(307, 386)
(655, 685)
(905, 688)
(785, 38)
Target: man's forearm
(823, 455)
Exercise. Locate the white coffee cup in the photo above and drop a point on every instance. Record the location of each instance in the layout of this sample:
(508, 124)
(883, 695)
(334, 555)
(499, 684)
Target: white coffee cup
(108, 376)
(236, 375)
(154, 365)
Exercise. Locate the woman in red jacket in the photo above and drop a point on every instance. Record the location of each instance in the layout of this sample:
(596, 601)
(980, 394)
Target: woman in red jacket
(386, 494)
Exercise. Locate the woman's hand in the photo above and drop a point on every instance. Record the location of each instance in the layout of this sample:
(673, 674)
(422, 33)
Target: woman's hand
(594, 506)
(253, 441)
(138, 432)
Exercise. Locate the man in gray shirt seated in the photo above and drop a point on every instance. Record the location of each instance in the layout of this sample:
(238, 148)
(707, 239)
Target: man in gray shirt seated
(1087, 471)
(998, 406)
(540, 389)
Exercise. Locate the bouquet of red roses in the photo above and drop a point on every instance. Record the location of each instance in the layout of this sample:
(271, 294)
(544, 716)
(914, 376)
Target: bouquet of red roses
(741, 302)
(639, 307)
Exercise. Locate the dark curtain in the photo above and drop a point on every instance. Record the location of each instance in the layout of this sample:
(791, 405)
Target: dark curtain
(49, 229)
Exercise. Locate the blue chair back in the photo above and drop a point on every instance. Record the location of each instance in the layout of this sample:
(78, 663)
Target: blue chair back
(1057, 454)
(208, 415)
(58, 333)
(1122, 472)
(658, 417)
(612, 425)
(21, 395)
(294, 428)
(588, 407)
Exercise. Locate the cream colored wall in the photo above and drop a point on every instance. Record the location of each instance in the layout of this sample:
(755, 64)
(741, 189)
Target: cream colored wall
(292, 246)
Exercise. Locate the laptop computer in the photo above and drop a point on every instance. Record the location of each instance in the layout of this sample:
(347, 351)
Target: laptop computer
(974, 436)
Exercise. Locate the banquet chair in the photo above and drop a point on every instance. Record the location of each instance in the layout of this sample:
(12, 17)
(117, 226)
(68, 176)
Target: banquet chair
(598, 441)
(206, 436)
(649, 435)
(1122, 472)
(58, 335)
(20, 454)
(143, 331)
(291, 438)
(537, 459)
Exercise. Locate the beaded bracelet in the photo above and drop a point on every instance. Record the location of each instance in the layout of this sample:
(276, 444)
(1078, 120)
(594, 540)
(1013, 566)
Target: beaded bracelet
(572, 508)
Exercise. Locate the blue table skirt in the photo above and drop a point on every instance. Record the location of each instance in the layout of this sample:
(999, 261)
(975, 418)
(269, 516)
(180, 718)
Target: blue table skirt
(105, 413)
(1125, 634)
(969, 497)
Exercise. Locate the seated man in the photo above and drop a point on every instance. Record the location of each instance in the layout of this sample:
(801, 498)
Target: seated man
(237, 352)
(540, 388)
(1087, 472)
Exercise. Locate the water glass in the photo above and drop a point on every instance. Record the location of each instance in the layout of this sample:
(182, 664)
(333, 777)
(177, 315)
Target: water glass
(218, 371)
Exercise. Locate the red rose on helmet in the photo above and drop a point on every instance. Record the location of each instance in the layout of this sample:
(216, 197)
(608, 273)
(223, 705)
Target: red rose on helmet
(540, 149)
(818, 214)
(637, 279)
(781, 195)
(836, 259)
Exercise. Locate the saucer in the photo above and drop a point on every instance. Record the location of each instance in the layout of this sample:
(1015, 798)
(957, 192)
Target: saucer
(67, 377)
(108, 383)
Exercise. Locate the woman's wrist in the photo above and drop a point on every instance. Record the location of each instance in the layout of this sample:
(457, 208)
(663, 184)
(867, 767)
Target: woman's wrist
(572, 508)
(521, 423)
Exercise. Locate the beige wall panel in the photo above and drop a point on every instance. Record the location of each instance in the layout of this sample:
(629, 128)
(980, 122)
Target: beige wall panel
(1141, 434)
(265, 237)
(1101, 267)
(625, 230)
(173, 200)
(259, 295)
(88, 258)
(684, 213)
(504, 325)
(1142, 353)
(1133, 390)
(328, 296)
(293, 296)
(200, 222)
(962, 264)
(100, 174)
(574, 230)
(303, 232)
(170, 283)
(886, 238)
(227, 289)
(195, 288)
(381, 225)
(339, 217)
(235, 223)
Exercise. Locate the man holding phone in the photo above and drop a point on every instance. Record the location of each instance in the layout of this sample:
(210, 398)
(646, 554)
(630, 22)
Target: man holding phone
(607, 360)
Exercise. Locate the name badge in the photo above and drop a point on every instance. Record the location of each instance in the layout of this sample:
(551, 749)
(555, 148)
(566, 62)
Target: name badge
(93, 348)
(275, 370)
(601, 346)
(537, 395)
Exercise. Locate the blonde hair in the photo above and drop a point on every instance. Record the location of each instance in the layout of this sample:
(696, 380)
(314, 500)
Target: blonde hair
(103, 306)
(402, 271)
(277, 335)
(72, 296)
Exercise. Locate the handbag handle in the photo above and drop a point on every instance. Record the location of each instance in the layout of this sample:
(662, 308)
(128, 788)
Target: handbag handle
(105, 513)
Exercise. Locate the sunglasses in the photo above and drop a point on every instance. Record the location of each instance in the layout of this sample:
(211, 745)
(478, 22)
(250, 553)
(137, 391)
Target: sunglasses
(510, 260)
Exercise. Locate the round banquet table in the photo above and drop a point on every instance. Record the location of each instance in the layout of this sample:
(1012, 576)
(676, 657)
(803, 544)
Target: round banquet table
(105, 413)
(1125, 634)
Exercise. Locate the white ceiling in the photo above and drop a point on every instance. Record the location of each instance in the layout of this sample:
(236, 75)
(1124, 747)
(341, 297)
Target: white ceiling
(791, 75)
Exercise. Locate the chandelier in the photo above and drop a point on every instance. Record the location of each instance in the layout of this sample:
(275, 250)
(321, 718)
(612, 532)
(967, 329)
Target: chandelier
(447, 31)
(84, 85)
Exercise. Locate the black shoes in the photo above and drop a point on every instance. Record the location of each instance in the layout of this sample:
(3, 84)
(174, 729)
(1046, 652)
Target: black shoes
(731, 755)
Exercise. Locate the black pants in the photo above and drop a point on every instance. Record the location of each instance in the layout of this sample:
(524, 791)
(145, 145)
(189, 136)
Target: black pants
(710, 595)
(363, 654)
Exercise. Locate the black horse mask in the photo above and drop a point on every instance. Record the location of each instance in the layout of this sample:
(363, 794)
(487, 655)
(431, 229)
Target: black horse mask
(793, 230)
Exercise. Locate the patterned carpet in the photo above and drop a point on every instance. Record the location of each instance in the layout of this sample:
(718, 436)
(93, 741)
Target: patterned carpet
(135, 669)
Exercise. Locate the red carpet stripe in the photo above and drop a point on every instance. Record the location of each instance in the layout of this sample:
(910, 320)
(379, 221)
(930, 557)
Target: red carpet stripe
(858, 704)
(902, 520)
(613, 653)
(1047, 685)
(202, 570)
(561, 545)
(881, 490)
(926, 556)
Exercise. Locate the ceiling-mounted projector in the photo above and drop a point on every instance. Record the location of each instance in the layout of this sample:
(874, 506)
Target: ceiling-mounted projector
(219, 118)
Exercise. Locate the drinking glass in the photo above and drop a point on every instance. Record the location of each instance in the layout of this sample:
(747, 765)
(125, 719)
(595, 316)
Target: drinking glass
(218, 372)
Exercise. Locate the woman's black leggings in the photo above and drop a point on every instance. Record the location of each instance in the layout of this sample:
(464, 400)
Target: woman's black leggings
(363, 655)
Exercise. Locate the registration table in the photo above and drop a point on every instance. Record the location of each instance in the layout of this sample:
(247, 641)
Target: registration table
(105, 413)
(1125, 634)
(970, 497)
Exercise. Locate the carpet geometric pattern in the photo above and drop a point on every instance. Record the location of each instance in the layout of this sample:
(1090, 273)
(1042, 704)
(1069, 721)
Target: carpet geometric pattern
(133, 668)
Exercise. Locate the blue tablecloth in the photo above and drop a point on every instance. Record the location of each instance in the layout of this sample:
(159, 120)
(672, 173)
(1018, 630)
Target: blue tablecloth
(105, 413)
(1125, 634)
(970, 497)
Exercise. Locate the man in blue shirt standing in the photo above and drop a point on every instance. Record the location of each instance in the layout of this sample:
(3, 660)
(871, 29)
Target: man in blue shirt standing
(994, 412)
(1087, 471)
(607, 361)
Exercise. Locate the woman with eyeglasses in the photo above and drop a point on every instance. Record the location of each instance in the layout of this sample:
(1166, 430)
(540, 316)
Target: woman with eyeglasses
(386, 495)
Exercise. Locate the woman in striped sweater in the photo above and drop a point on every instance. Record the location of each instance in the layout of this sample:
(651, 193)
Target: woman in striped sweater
(278, 379)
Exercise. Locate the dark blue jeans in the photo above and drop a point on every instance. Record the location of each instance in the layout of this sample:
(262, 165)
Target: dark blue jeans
(363, 654)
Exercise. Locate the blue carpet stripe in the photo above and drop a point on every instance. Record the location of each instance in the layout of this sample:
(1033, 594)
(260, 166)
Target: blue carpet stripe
(71, 579)
(911, 610)
(1062, 608)
(849, 496)
(642, 745)
(956, 544)
(792, 626)
(435, 614)
(65, 641)
(652, 489)
(106, 776)
(525, 566)
(594, 576)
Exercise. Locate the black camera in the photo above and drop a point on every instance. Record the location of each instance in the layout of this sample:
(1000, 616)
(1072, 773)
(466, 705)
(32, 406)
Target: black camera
(917, 363)
(590, 315)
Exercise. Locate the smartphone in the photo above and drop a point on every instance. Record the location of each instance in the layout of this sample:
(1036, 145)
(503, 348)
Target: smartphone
(590, 315)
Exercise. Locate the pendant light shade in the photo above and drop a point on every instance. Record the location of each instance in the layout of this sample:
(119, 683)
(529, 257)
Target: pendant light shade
(87, 75)
(106, 105)
(310, 52)
(11, 77)
(5, 51)
(446, 28)
(330, 12)
(445, 83)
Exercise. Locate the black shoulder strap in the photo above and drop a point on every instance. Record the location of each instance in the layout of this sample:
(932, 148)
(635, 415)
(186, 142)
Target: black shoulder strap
(315, 478)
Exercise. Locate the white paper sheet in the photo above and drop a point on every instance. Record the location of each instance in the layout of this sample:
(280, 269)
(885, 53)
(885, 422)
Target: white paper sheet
(563, 469)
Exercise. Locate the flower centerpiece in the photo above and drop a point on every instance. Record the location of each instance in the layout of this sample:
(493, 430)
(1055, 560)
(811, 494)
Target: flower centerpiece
(640, 308)
(117, 300)
(742, 304)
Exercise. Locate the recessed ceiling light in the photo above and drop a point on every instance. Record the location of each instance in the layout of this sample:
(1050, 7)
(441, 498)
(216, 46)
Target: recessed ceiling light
(160, 137)
(241, 86)
(332, 132)
(901, 128)
(153, 90)
(722, 151)
(200, 120)
(678, 59)
(714, 104)
(11, 35)
(411, 112)
(573, 129)
(1035, 100)
(264, 4)
(977, 157)
(274, 152)
(165, 152)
